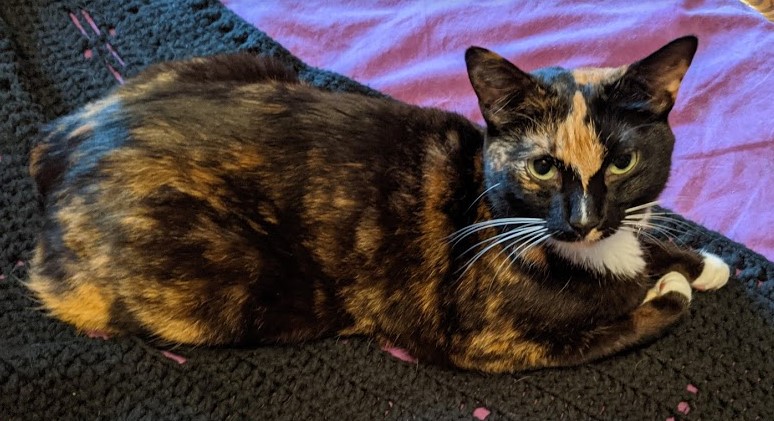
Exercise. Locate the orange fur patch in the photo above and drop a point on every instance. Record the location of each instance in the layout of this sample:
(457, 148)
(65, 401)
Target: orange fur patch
(320, 300)
(597, 75)
(366, 303)
(201, 183)
(676, 75)
(38, 152)
(93, 109)
(368, 234)
(437, 175)
(267, 213)
(176, 330)
(593, 235)
(80, 235)
(577, 143)
(84, 305)
(167, 310)
(511, 350)
(536, 256)
(85, 128)
(138, 87)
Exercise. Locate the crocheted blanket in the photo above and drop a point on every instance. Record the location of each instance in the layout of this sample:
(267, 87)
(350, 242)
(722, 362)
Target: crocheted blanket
(57, 55)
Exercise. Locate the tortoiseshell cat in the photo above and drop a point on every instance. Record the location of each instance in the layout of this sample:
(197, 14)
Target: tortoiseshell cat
(220, 201)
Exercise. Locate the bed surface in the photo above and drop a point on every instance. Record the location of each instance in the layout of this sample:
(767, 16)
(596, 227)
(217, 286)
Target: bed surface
(723, 166)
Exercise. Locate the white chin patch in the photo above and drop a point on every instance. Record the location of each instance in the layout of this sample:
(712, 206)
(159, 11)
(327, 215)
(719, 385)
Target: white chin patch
(619, 255)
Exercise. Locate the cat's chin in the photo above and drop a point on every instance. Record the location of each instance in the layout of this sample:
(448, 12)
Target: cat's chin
(593, 236)
(618, 253)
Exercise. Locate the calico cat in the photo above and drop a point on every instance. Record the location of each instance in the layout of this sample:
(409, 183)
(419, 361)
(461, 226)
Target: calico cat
(221, 201)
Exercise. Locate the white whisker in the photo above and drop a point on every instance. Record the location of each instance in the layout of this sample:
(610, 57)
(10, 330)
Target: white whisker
(516, 232)
(493, 223)
(503, 239)
(480, 196)
(656, 215)
(535, 243)
(527, 225)
(660, 229)
(526, 241)
(680, 226)
(532, 244)
(661, 213)
(645, 234)
(503, 102)
(667, 231)
(672, 220)
(489, 247)
(642, 206)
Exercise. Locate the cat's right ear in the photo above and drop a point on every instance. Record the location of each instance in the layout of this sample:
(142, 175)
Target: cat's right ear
(499, 85)
(658, 76)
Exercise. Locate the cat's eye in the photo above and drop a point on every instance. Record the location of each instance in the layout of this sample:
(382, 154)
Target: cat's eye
(624, 163)
(542, 168)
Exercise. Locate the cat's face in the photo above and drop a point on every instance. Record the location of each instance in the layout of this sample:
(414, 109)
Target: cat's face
(577, 148)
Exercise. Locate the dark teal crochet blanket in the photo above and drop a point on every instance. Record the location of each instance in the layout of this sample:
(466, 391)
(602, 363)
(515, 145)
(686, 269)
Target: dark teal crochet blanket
(57, 55)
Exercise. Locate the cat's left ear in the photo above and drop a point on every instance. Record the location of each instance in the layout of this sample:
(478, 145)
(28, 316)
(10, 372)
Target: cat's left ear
(499, 85)
(661, 73)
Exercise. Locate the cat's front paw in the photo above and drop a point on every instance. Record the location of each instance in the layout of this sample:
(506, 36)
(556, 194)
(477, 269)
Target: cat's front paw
(714, 275)
(672, 281)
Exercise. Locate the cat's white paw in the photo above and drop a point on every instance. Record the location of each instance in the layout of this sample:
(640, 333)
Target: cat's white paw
(672, 281)
(714, 275)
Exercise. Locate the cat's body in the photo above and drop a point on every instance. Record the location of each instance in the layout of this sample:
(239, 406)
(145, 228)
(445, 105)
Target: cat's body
(220, 201)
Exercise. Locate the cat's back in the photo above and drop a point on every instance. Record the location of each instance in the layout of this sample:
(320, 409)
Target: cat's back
(238, 111)
(166, 100)
(227, 181)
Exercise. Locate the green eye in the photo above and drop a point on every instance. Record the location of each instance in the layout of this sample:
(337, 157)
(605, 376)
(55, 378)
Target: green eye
(542, 168)
(624, 163)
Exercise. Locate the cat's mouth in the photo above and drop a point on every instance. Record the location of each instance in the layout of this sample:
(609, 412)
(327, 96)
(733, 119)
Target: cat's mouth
(593, 236)
(590, 237)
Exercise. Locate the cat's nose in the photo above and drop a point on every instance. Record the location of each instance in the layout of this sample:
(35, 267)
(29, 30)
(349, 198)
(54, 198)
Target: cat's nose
(583, 226)
(584, 215)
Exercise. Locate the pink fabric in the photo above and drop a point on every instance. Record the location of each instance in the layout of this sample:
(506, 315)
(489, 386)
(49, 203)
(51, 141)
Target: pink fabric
(481, 413)
(400, 354)
(413, 51)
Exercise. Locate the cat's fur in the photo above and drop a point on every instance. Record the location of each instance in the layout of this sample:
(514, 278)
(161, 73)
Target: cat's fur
(221, 201)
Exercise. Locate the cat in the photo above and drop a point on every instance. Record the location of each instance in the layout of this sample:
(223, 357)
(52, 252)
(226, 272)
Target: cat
(221, 201)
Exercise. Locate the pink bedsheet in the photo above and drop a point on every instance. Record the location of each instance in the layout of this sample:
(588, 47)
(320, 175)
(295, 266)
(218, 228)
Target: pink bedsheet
(724, 158)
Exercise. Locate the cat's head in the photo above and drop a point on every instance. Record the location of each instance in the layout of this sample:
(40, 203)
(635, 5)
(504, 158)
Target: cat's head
(577, 147)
